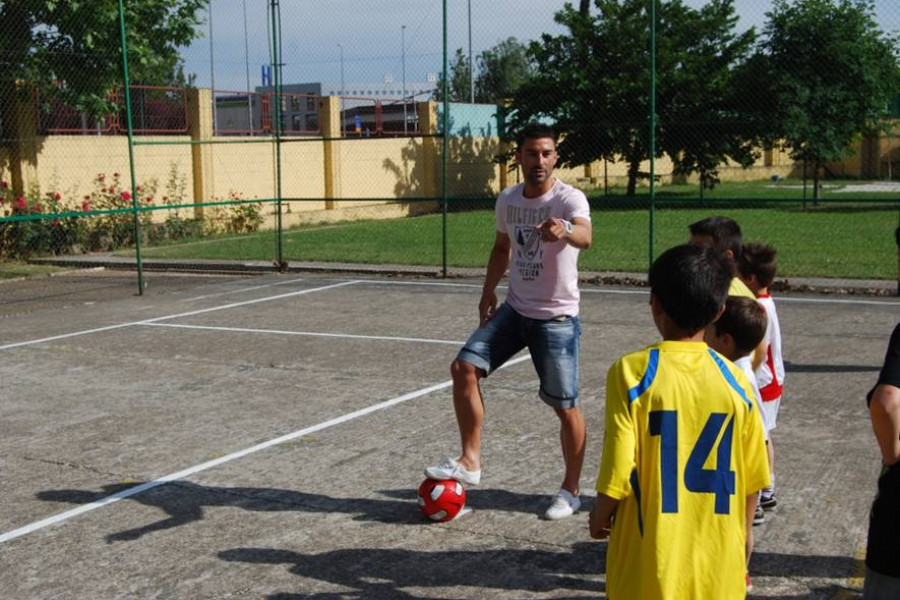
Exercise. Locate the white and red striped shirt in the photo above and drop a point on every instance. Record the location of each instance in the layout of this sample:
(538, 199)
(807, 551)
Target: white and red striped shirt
(770, 374)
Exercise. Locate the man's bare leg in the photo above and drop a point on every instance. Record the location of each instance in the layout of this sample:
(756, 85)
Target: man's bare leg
(572, 437)
(469, 406)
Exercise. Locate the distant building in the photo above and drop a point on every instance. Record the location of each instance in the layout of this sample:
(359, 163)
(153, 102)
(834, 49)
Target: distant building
(367, 108)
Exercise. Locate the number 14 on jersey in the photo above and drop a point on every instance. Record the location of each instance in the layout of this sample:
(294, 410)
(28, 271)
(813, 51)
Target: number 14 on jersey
(719, 481)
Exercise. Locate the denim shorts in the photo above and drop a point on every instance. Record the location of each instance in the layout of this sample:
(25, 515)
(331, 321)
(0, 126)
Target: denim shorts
(554, 346)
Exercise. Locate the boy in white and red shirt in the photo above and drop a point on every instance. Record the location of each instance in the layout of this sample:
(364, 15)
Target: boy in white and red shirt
(757, 269)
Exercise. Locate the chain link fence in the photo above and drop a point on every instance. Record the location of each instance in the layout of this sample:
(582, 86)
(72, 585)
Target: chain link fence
(278, 132)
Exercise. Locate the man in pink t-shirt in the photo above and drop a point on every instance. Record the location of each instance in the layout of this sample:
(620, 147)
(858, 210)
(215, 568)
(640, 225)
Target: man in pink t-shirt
(542, 224)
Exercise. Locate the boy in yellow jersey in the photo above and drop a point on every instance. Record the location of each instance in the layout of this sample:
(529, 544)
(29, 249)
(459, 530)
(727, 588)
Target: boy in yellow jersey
(684, 456)
(725, 236)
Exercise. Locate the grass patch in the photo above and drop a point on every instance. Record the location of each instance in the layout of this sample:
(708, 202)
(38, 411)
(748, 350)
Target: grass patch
(823, 242)
(830, 191)
(15, 270)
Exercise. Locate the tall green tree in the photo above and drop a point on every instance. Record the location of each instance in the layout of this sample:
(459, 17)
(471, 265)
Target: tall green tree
(502, 70)
(702, 117)
(460, 71)
(594, 84)
(833, 75)
(71, 50)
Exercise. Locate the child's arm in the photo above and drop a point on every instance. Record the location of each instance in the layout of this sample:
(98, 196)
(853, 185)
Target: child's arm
(602, 516)
(752, 500)
(885, 413)
(760, 352)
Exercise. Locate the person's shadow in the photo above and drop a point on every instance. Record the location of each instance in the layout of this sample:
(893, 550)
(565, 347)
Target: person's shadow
(389, 572)
(184, 503)
(776, 564)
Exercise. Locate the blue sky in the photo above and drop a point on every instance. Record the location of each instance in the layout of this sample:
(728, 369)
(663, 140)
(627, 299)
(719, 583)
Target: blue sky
(371, 34)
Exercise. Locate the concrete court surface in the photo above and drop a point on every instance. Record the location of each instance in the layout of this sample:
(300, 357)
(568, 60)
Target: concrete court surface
(103, 391)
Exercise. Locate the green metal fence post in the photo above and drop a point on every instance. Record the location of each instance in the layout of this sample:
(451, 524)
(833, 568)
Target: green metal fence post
(134, 189)
(445, 145)
(652, 126)
(276, 60)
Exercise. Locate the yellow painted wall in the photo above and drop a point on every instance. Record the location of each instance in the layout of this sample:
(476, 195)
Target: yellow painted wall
(388, 168)
(380, 168)
(70, 165)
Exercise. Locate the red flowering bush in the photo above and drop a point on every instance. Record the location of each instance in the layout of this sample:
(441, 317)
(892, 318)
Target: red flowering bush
(239, 217)
(114, 228)
(28, 234)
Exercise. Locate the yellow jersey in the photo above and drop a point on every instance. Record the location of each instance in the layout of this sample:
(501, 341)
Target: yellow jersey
(739, 288)
(684, 448)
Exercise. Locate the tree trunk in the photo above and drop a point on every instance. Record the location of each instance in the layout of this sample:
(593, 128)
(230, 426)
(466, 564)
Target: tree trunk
(584, 8)
(816, 165)
(14, 48)
(634, 166)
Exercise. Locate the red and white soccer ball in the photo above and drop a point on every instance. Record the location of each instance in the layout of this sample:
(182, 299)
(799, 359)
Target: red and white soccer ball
(441, 500)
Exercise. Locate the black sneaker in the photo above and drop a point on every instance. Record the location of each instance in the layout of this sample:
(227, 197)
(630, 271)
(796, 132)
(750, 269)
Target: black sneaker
(759, 517)
(768, 502)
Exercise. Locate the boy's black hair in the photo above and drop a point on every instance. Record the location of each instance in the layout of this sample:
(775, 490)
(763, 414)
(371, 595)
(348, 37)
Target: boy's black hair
(690, 283)
(758, 259)
(535, 131)
(745, 321)
(724, 232)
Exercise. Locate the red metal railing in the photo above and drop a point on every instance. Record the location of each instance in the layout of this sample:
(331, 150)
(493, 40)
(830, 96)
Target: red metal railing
(154, 110)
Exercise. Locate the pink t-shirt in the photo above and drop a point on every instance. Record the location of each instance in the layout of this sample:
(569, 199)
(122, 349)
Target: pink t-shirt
(543, 276)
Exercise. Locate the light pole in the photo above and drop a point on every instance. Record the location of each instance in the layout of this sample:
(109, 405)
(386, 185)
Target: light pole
(212, 71)
(403, 61)
(471, 64)
(341, 98)
(341, 46)
(247, 67)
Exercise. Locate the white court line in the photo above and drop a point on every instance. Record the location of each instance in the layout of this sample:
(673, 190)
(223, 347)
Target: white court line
(308, 333)
(64, 516)
(836, 301)
(499, 287)
(644, 291)
(176, 316)
(241, 290)
(638, 292)
(778, 298)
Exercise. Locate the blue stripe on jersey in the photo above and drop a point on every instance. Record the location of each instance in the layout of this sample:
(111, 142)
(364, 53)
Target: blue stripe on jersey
(730, 378)
(636, 486)
(635, 392)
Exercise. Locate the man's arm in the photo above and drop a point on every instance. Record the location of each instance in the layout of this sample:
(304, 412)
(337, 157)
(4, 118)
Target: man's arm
(581, 236)
(885, 413)
(601, 516)
(496, 268)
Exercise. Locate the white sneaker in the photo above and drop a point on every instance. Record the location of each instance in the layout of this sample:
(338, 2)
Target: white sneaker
(448, 468)
(564, 505)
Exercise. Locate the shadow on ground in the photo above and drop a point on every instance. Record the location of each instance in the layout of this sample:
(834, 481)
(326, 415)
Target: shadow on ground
(801, 368)
(184, 503)
(388, 572)
(774, 564)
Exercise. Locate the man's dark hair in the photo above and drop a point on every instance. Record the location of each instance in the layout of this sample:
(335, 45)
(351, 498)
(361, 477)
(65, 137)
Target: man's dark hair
(535, 131)
(691, 284)
(724, 232)
(745, 321)
(758, 259)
